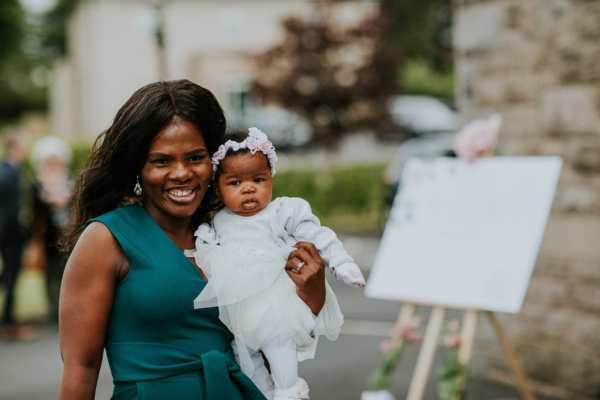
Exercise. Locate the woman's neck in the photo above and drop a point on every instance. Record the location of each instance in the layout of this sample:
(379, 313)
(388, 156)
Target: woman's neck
(180, 230)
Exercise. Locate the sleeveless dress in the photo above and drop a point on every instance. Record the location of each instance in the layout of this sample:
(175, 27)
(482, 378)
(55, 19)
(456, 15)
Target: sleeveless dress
(158, 347)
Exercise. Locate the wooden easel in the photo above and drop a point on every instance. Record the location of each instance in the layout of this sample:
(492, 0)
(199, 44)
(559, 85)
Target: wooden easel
(469, 325)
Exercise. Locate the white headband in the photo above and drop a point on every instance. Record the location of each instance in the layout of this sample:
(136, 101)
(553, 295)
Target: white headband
(257, 140)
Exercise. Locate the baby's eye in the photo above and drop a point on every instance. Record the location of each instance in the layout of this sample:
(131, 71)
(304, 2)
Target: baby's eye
(234, 183)
(259, 179)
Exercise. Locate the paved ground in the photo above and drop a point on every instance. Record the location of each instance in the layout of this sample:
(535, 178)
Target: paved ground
(31, 371)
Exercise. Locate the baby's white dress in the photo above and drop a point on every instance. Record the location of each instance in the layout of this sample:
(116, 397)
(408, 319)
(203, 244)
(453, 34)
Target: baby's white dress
(244, 257)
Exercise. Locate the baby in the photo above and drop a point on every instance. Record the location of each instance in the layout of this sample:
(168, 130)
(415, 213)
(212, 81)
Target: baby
(243, 254)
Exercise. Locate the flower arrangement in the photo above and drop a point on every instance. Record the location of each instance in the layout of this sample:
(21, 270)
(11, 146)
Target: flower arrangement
(453, 374)
(478, 138)
(403, 332)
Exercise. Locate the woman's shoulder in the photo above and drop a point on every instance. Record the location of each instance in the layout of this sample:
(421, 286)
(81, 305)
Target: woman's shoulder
(124, 212)
(98, 246)
(96, 232)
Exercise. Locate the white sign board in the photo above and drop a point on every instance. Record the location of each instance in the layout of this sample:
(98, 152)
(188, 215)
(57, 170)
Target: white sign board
(465, 234)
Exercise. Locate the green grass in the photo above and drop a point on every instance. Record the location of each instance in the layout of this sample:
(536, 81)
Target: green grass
(31, 303)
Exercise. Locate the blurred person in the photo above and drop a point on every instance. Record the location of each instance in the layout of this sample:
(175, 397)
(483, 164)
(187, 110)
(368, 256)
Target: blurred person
(243, 251)
(52, 190)
(12, 235)
(128, 286)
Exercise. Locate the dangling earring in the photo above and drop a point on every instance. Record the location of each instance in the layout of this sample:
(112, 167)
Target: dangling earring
(137, 189)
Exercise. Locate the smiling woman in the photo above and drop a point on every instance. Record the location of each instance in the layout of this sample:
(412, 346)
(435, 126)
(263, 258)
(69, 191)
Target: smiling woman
(177, 173)
(128, 287)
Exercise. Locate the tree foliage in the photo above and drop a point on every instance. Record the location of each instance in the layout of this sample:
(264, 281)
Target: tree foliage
(54, 32)
(423, 29)
(339, 76)
(29, 44)
(11, 28)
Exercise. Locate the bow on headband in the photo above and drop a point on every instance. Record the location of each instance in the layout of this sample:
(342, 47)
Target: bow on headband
(257, 140)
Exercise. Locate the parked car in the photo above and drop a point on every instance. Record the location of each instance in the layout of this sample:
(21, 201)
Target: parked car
(427, 146)
(285, 128)
(421, 115)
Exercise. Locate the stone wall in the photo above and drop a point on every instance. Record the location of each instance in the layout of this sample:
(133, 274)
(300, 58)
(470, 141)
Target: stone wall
(537, 62)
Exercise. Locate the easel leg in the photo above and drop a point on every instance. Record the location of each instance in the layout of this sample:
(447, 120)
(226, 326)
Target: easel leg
(417, 386)
(511, 357)
(406, 313)
(467, 336)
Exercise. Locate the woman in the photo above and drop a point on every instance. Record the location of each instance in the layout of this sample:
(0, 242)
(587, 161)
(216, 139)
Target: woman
(51, 194)
(127, 285)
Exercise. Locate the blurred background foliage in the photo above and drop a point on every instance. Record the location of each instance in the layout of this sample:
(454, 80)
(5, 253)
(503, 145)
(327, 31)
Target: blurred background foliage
(423, 29)
(348, 198)
(418, 30)
(341, 79)
(419, 77)
(409, 43)
(30, 41)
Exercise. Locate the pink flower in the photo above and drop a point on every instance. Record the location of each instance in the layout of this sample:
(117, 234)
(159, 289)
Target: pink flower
(386, 345)
(478, 138)
(452, 337)
(407, 330)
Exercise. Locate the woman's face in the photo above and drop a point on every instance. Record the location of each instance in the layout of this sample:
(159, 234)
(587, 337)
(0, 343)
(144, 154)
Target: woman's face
(177, 172)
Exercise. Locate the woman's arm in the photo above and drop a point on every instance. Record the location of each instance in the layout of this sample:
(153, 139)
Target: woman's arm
(86, 297)
(310, 279)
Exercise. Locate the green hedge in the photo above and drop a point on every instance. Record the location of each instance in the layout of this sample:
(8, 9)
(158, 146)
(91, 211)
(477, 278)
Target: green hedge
(417, 77)
(81, 153)
(349, 199)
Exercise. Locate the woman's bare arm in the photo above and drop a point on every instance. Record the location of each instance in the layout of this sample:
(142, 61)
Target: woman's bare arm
(86, 297)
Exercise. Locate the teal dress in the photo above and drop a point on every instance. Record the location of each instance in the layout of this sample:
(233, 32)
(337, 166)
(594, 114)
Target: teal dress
(158, 346)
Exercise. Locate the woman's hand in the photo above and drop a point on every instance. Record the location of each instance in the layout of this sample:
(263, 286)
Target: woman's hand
(307, 269)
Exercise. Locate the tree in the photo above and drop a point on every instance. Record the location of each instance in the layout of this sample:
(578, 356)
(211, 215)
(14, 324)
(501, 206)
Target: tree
(54, 32)
(337, 76)
(29, 44)
(11, 28)
(423, 29)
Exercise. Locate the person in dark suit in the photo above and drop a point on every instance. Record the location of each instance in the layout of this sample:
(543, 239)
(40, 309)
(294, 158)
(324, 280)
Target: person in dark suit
(12, 236)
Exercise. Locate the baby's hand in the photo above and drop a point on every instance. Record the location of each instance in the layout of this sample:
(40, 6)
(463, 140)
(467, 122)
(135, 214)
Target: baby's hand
(350, 274)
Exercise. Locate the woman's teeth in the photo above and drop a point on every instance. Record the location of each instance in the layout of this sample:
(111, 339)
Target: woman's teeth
(181, 196)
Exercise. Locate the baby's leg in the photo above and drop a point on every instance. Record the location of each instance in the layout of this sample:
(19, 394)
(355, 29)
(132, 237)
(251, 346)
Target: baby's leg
(282, 356)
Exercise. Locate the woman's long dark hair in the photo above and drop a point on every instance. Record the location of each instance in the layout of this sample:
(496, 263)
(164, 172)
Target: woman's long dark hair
(119, 153)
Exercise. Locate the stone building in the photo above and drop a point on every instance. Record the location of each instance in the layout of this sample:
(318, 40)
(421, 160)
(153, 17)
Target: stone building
(537, 62)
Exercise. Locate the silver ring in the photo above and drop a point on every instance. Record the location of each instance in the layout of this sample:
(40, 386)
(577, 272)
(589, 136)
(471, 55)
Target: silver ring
(299, 266)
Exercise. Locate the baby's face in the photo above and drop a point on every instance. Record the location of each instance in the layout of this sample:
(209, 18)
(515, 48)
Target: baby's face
(245, 184)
